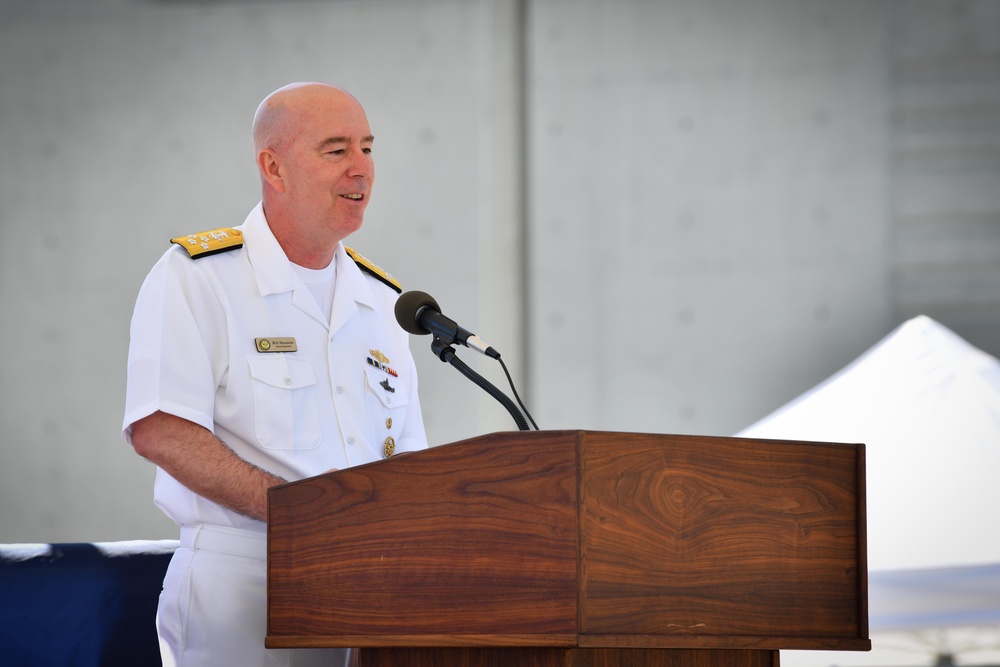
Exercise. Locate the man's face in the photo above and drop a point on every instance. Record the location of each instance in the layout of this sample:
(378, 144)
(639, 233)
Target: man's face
(330, 169)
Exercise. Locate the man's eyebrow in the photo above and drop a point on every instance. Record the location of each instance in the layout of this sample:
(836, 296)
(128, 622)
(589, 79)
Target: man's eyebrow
(343, 140)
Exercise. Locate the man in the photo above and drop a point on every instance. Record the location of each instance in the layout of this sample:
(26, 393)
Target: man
(263, 354)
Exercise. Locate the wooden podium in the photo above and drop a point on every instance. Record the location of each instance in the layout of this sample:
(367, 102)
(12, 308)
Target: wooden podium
(576, 549)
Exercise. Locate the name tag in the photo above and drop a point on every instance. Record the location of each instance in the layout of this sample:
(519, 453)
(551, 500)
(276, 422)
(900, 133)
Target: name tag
(276, 344)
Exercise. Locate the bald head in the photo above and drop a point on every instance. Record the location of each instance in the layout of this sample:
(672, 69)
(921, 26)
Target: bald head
(281, 113)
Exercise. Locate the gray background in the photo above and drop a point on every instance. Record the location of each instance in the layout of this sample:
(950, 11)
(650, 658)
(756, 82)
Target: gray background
(668, 216)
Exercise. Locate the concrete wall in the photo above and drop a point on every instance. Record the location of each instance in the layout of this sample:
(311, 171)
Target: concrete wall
(708, 201)
(668, 216)
(945, 165)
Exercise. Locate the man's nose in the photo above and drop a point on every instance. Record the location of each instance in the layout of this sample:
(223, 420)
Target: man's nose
(361, 164)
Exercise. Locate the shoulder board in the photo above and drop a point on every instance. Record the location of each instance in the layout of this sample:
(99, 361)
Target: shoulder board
(374, 270)
(211, 242)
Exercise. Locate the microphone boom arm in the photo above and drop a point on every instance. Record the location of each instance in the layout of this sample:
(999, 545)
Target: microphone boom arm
(445, 352)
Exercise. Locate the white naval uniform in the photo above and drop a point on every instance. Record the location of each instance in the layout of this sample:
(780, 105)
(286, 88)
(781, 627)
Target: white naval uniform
(350, 385)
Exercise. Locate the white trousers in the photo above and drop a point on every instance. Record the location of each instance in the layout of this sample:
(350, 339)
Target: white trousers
(213, 608)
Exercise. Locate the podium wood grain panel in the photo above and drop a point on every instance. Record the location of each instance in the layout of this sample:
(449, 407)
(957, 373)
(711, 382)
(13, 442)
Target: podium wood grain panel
(721, 537)
(477, 538)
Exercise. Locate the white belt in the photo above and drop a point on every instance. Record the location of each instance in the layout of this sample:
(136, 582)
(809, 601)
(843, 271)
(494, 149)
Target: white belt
(226, 540)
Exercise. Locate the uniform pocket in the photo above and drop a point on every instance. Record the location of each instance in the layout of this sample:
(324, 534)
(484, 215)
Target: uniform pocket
(284, 398)
(389, 391)
(386, 403)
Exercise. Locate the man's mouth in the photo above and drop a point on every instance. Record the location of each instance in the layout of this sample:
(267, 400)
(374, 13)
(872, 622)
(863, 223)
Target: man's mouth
(356, 196)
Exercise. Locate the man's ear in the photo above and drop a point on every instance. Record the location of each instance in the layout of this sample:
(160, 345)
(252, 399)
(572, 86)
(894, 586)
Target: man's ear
(271, 170)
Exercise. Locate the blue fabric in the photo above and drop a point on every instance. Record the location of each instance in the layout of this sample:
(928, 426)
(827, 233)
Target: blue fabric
(81, 604)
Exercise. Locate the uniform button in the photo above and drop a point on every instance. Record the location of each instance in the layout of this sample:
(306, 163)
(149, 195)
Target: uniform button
(340, 390)
(350, 440)
(288, 380)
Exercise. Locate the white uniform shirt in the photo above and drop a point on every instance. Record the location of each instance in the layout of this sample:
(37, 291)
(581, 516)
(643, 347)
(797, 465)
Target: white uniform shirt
(333, 403)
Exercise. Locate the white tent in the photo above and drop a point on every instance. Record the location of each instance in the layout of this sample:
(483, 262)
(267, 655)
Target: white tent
(927, 406)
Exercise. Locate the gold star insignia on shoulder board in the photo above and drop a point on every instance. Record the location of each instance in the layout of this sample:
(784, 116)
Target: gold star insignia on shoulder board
(211, 242)
(377, 271)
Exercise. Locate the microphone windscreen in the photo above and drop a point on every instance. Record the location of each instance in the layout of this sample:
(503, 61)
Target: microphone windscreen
(408, 305)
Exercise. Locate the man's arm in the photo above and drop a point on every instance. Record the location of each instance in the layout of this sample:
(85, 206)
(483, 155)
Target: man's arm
(203, 463)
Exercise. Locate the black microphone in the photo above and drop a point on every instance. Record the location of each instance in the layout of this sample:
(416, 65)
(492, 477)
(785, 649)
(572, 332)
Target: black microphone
(419, 314)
